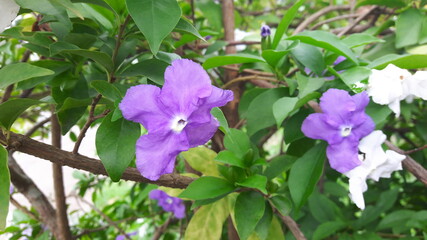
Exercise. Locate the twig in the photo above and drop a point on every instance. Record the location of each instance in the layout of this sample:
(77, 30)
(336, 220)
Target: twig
(416, 150)
(357, 21)
(160, 230)
(318, 14)
(410, 164)
(23, 209)
(89, 231)
(21, 143)
(108, 219)
(333, 20)
(36, 127)
(248, 78)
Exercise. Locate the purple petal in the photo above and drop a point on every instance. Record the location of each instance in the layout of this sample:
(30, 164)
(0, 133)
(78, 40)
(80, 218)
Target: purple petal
(156, 153)
(157, 194)
(344, 156)
(141, 104)
(265, 31)
(186, 82)
(361, 100)
(364, 129)
(337, 103)
(315, 126)
(200, 133)
(339, 60)
(179, 208)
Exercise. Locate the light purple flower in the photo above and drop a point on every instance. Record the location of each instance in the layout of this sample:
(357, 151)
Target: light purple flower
(123, 237)
(265, 31)
(11, 189)
(177, 116)
(168, 203)
(342, 124)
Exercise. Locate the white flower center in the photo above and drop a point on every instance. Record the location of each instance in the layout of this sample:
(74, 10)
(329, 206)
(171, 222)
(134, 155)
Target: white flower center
(169, 201)
(345, 131)
(178, 123)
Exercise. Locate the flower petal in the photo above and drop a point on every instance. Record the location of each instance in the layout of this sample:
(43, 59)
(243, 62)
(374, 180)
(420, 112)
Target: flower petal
(186, 82)
(343, 157)
(156, 153)
(337, 103)
(357, 186)
(141, 104)
(417, 84)
(178, 208)
(364, 128)
(200, 133)
(315, 126)
(393, 163)
(157, 194)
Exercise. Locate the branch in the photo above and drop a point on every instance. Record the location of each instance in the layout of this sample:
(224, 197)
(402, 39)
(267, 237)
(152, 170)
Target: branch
(410, 164)
(318, 14)
(292, 225)
(93, 230)
(29, 146)
(160, 230)
(357, 21)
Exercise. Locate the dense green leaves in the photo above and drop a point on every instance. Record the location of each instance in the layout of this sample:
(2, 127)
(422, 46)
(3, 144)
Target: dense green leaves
(155, 18)
(409, 26)
(231, 59)
(207, 187)
(115, 144)
(286, 21)
(249, 209)
(305, 173)
(18, 72)
(4, 187)
(10, 110)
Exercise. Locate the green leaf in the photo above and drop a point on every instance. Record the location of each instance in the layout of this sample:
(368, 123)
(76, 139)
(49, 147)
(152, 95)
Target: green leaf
(273, 57)
(327, 41)
(377, 112)
(115, 145)
(4, 187)
(219, 115)
(282, 108)
(228, 157)
(256, 181)
(202, 159)
(107, 90)
(154, 69)
(155, 18)
(326, 229)
(395, 219)
(360, 39)
(408, 27)
(293, 126)
(248, 210)
(403, 61)
(286, 21)
(282, 204)
(263, 226)
(279, 164)
(322, 208)
(388, 3)
(231, 59)
(260, 112)
(10, 110)
(207, 222)
(186, 27)
(275, 232)
(17, 72)
(207, 187)
(307, 85)
(101, 58)
(238, 142)
(355, 75)
(305, 173)
(310, 57)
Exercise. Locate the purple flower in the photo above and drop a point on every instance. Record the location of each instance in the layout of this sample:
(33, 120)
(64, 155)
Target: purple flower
(265, 31)
(208, 37)
(168, 203)
(342, 124)
(11, 189)
(123, 237)
(177, 116)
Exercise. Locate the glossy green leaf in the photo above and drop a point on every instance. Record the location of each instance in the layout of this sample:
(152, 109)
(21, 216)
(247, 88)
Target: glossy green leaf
(307, 85)
(282, 108)
(155, 18)
(228, 157)
(279, 164)
(17, 72)
(154, 69)
(326, 229)
(4, 187)
(219, 115)
(275, 231)
(202, 159)
(212, 12)
(282, 204)
(238, 142)
(310, 57)
(305, 173)
(322, 208)
(273, 57)
(408, 27)
(207, 222)
(99, 57)
(231, 59)
(248, 210)
(355, 75)
(395, 219)
(207, 187)
(10, 110)
(255, 181)
(360, 39)
(286, 21)
(107, 90)
(414, 61)
(186, 27)
(327, 41)
(263, 226)
(115, 145)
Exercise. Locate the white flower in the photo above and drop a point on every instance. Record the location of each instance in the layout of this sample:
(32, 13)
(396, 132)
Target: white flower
(9, 9)
(375, 164)
(386, 86)
(416, 85)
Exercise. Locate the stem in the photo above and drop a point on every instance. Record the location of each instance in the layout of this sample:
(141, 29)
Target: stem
(248, 78)
(160, 230)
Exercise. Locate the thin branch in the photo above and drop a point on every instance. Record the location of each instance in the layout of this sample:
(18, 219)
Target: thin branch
(318, 14)
(93, 230)
(415, 150)
(36, 127)
(161, 230)
(23, 209)
(410, 164)
(293, 226)
(329, 20)
(32, 147)
(357, 21)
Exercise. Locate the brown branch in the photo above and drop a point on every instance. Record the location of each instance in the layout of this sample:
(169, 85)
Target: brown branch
(416, 150)
(32, 147)
(23, 209)
(318, 14)
(292, 226)
(36, 127)
(161, 230)
(410, 164)
(358, 20)
(58, 182)
(317, 25)
(38, 200)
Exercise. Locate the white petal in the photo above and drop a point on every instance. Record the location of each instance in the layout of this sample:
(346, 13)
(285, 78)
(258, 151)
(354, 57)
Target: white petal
(395, 107)
(393, 163)
(371, 147)
(417, 84)
(357, 187)
(8, 11)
